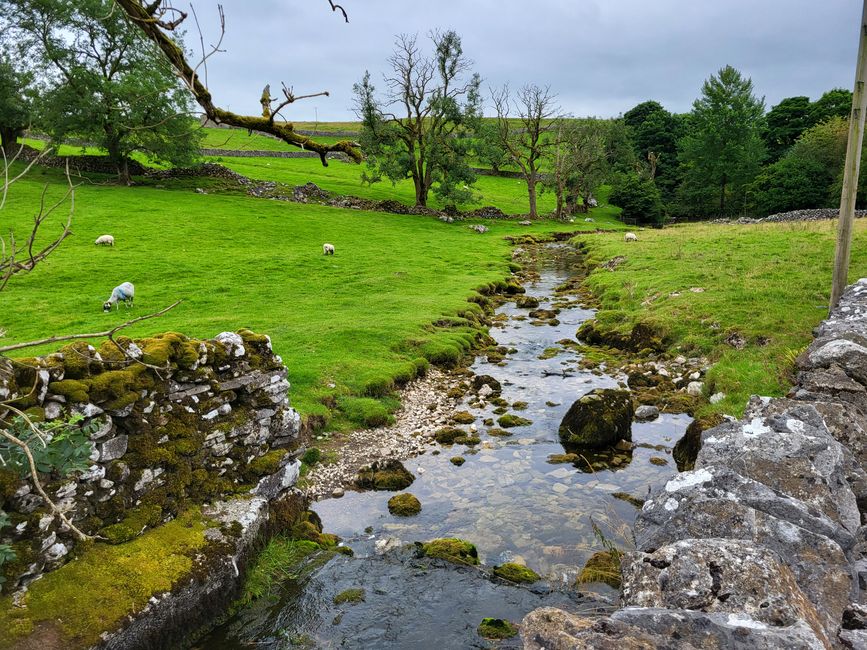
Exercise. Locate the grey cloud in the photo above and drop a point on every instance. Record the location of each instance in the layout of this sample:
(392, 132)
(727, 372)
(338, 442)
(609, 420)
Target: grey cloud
(601, 56)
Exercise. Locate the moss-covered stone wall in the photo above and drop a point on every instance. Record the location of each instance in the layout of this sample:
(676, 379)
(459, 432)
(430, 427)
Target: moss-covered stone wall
(187, 422)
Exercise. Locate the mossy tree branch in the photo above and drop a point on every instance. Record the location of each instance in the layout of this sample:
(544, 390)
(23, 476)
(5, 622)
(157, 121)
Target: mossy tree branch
(149, 20)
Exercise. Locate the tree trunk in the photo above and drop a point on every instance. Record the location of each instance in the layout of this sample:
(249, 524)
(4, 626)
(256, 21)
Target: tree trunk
(531, 191)
(8, 139)
(123, 171)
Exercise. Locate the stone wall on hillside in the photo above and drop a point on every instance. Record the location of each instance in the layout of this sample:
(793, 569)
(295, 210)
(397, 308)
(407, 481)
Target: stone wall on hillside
(762, 545)
(188, 421)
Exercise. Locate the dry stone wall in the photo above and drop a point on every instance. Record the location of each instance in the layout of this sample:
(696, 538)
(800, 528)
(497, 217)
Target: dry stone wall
(189, 421)
(762, 545)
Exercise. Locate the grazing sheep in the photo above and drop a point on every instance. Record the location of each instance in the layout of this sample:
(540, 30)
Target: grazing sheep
(630, 236)
(104, 240)
(589, 219)
(328, 249)
(122, 292)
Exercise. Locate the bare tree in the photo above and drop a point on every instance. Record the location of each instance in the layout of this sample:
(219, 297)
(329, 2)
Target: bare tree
(412, 132)
(526, 134)
(159, 19)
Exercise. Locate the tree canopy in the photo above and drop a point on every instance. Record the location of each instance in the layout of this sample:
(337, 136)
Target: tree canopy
(419, 128)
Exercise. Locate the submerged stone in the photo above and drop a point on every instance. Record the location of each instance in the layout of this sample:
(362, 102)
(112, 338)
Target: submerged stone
(603, 566)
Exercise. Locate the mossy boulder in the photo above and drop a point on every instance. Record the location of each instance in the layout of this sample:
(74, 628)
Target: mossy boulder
(452, 549)
(510, 420)
(463, 417)
(598, 419)
(448, 435)
(527, 302)
(516, 573)
(481, 380)
(687, 448)
(603, 566)
(496, 628)
(404, 505)
(556, 459)
(457, 460)
(384, 475)
(136, 521)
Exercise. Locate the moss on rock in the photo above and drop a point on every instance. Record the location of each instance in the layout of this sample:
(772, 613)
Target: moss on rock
(603, 566)
(516, 573)
(511, 420)
(404, 505)
(463, 417)
(350, 596)
(686, 449)
(384, 475)
(136, 520)
(496, 628)
(457, 460)
(452, 549)
(598, 419)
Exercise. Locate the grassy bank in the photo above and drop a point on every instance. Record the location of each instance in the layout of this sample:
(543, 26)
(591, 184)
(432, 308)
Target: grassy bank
(766, 283)
(342, 324)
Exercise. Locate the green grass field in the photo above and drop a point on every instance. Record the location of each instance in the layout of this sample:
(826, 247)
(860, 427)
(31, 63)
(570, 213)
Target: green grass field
(236, 261)
(769, 283)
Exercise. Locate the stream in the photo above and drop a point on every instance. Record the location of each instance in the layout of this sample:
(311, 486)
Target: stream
(507, 499)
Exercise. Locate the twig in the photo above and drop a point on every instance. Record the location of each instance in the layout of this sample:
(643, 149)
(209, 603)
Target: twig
(335, 7)
(93, 335)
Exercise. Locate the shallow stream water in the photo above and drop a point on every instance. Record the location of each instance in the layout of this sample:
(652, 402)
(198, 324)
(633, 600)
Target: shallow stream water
(506, 498)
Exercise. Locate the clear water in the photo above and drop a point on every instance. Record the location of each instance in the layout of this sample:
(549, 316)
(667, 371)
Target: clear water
(507, 499)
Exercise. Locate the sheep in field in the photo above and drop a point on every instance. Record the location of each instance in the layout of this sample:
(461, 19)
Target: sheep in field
(630, 236)
(328, 249)
(121, 293)
(104, 240)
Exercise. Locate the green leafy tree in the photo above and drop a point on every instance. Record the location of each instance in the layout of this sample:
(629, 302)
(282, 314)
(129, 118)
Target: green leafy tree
(420, 128)
(638, 197)
(834, 103)
(579, 163)
(487, 147)
(104, 81)
(785, 122)
(791, 183)
(15, 103)
(655, 133)
(723, 151)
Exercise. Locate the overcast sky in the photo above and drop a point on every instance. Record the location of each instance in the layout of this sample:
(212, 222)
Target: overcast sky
(600, 56)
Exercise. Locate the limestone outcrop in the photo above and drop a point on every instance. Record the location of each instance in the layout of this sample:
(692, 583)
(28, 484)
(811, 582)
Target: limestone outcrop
(762, 544)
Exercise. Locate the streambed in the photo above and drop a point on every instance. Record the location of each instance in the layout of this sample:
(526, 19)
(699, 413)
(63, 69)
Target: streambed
(507, 498)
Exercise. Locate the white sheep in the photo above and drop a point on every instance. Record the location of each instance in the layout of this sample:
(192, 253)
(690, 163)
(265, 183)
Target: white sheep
(328, 249)
(630, 236)
(104, 240)
(123, 292)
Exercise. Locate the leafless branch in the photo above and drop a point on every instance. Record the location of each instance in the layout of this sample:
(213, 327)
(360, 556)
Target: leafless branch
(93, 335)
(150, 20)
(336, 7)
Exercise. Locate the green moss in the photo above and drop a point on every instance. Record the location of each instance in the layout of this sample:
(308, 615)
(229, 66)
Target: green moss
(499, 433)
(496, 628)
(379, 386)
(520, 406)
(510, 420)
(457, 460)
(73, 390)
(266, 464)
(463, 417)
(603, 566)
(135, 522)
(384, 475)
(452, 549)
(119, 581)
(516, 573)
(351, 596)
(448, 435)
(404, 505)
(76, 360)
(563, 458)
